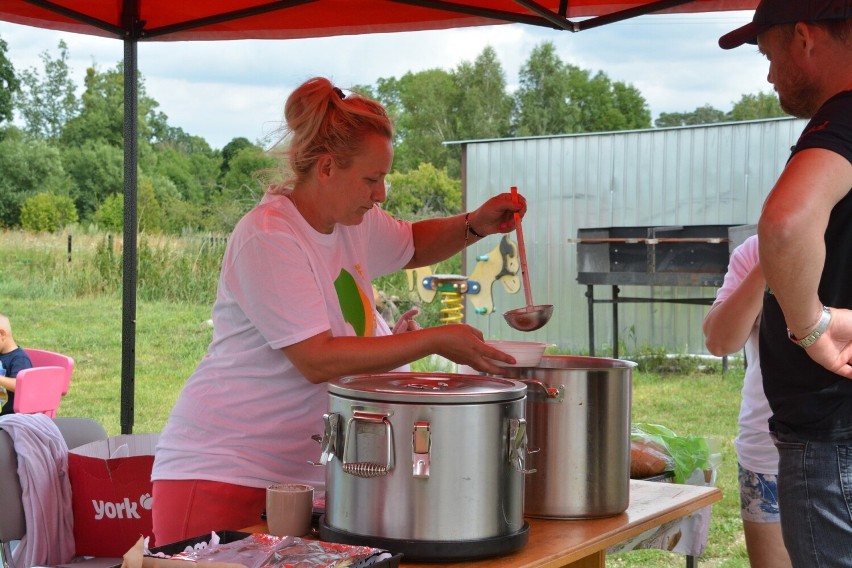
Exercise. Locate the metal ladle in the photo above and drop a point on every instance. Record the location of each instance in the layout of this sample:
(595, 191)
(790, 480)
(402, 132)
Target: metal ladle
(530, 317)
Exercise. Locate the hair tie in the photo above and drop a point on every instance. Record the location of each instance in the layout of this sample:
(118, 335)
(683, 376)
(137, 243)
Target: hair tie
(339, 93)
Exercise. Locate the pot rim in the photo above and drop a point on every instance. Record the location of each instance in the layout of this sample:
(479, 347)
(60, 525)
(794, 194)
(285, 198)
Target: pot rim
(431, 388)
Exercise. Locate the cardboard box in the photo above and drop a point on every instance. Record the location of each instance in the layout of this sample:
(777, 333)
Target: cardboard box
(111, 493)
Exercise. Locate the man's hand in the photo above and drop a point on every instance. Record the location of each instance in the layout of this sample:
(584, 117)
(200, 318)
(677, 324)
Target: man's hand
(833, 349)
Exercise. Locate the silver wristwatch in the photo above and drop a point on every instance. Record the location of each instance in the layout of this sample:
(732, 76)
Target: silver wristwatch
(809, 339)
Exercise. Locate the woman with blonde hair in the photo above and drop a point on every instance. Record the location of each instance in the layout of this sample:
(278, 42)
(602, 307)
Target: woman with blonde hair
(294, 309)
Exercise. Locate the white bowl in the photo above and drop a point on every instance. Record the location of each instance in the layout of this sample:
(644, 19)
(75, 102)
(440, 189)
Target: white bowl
(526, 353)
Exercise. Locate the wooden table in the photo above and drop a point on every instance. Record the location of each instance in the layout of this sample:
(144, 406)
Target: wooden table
(583, 543)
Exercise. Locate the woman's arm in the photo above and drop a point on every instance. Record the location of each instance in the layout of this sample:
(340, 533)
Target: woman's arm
(440, 238)
(324, 357)
(728, 323)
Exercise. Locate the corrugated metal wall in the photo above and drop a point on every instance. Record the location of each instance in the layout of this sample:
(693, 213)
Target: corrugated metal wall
(708, 175)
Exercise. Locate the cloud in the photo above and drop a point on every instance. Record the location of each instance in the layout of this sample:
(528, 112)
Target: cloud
(224, 89)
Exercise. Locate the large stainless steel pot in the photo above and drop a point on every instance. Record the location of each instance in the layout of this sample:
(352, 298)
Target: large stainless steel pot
(578, 418)
(430, 465)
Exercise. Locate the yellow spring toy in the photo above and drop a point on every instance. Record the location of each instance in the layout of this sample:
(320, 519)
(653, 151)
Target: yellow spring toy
(450, 287)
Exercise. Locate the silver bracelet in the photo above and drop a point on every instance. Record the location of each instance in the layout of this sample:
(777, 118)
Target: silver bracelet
(810, 339)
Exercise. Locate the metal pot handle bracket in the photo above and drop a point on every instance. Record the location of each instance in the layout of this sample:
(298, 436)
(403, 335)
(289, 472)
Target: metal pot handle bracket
(421, 449)
(328, 440)
(518, 445)
(367, 469)
(544, 393)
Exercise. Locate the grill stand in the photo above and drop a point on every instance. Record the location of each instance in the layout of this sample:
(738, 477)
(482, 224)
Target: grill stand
(616, 299)
(676, 256)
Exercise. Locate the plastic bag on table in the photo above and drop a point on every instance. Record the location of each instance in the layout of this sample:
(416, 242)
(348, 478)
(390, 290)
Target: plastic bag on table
(267, 551)
(660, 448)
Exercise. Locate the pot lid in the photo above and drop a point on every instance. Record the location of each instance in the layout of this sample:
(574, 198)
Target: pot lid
(432, 388)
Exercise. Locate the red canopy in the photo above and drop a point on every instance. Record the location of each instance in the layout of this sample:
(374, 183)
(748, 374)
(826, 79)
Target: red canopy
(169, 20)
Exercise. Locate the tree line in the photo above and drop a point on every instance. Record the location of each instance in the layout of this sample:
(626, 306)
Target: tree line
(62, 161)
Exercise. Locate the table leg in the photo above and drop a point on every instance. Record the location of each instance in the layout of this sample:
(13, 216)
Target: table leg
(590, 296)
(615, 291)
(596, 560)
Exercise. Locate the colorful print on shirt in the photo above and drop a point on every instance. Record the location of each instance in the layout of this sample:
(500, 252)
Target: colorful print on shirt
(355, 305)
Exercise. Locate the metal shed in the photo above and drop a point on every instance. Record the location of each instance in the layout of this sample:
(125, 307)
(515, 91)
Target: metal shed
(715, 174)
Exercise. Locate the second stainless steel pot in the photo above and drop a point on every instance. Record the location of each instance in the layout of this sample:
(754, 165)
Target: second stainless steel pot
(578, 418)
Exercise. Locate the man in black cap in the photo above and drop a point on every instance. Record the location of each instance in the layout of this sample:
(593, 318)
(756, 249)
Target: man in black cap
(805, 234)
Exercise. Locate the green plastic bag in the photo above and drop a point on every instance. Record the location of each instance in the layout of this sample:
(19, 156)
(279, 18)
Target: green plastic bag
(688, 453)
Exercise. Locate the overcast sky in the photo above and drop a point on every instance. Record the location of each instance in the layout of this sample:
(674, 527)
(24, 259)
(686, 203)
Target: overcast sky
(224, 89)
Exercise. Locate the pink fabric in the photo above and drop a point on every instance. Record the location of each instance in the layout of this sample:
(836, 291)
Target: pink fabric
(46, 490)
(185, 509)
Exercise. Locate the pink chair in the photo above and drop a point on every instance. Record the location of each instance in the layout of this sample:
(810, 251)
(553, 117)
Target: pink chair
(39, 390)
(42, 358)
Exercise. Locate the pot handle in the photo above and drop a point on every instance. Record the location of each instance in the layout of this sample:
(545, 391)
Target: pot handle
(552, 394)
(367, 469)
(518, 445)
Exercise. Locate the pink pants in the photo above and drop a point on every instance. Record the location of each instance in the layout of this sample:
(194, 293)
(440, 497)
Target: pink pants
(185, 509)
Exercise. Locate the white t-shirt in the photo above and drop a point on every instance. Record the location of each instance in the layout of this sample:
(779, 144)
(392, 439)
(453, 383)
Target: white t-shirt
(246, 415)
(755, 449)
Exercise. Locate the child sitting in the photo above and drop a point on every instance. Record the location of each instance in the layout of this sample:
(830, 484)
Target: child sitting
(12, 360)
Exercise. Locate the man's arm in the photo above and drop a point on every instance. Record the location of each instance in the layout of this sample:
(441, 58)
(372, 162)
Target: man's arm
(792, 249)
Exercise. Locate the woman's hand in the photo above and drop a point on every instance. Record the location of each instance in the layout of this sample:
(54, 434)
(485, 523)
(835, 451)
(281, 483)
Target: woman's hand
(406, 322)
(324, 357)
(497, 215)
(464, 345)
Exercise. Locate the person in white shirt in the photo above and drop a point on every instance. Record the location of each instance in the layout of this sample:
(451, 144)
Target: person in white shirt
(294, 309)
(731, 324)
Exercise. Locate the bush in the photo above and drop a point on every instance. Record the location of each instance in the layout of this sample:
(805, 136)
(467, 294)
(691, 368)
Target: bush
(110, 214)
(47, 212)
(423, 193)
(657, 360)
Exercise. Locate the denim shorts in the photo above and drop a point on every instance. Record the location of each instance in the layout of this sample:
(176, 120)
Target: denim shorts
(814, 495)
(758, 496)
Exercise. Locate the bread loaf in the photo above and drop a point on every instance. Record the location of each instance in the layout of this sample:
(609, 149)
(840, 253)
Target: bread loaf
(648, 458)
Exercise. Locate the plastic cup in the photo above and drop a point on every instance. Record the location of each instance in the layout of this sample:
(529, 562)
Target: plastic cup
(288, 509)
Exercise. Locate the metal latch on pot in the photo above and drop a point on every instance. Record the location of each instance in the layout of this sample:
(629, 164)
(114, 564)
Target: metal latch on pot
(518, 445)
(367, 469)
(421, 446)
(328, 441)
(544, 392)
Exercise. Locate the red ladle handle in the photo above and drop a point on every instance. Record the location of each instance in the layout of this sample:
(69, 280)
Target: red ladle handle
(522, 251)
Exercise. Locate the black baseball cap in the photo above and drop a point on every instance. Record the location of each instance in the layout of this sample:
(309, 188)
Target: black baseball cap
(773, 12)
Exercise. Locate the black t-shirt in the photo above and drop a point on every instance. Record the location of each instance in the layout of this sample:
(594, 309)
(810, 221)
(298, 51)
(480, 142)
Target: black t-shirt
(13, 361)
(806, 399)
